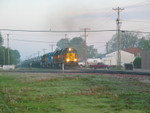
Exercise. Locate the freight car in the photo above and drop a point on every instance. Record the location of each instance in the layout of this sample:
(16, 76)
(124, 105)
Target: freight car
(47, 60)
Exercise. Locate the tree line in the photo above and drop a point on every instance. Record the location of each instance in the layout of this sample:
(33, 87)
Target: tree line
(127, 39)
(5, 59)
(79, 44)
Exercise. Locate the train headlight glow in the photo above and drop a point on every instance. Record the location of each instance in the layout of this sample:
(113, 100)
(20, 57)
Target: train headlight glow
(70, 49)
(75, 60)
(67, 60)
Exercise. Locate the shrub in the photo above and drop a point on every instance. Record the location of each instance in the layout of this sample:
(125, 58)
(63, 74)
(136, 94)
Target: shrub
(137, 62)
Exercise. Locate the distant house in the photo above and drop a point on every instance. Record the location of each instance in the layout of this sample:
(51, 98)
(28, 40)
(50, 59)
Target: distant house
(111, 58)
(145, 59)
(134, 50)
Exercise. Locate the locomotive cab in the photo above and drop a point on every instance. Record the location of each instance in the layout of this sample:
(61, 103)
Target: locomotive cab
(70, 56)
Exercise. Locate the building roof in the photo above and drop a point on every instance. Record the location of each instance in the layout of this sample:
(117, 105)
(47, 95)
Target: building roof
(116, 52)
(133, 50)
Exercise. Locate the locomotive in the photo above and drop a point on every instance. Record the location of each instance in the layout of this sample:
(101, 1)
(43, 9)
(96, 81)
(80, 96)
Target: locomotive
(67, 57)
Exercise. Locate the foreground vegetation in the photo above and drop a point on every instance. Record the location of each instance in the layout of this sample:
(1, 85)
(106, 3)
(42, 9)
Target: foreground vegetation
(74, 93)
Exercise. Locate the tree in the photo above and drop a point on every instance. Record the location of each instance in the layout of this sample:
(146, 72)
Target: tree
(137, 62)
(14, 57)
(79, 45)
(2, 49)
(63, 43)
(2, 55)
(13, 54)
(144, 43)
(92, 52)
(127, 40)
(1, 40)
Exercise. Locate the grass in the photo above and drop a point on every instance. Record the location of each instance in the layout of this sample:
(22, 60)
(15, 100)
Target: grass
(64, 93)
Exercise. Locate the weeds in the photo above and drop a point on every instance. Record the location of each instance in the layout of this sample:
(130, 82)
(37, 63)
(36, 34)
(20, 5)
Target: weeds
(49, 93)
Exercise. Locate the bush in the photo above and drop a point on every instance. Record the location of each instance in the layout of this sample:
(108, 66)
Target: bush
(137, 62)
(128, 66)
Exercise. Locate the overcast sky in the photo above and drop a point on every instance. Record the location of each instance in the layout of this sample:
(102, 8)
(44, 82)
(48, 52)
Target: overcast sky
(68, 15)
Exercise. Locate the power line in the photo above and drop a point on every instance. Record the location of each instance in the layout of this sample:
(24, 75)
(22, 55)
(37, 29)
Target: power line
(96, 42)
(105, 19)
(58, 31)
(135, 31)
(69, 31)
(144, 28)
(24, 30)
(32, 41)
(137, 21)
(143, 3)
(32, 34)
(141, 22)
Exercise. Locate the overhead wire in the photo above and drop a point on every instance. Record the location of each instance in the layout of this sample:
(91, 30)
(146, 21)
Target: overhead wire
(141, 28)
(47, 41)
(136, 21)
(32, 41)
(71, 31)
(106, 18)
(146, 2)
(96, 42)
(58, 31)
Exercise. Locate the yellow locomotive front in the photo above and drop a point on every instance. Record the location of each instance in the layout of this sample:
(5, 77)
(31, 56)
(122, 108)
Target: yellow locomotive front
(67, 56)
(71, 57)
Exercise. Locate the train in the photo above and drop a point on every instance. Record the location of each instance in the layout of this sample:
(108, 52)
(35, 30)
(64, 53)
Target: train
(66, 57)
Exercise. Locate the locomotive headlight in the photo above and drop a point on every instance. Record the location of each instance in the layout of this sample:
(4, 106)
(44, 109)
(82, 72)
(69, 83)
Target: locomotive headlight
(70, 49)
(75, 60)
(67, 60)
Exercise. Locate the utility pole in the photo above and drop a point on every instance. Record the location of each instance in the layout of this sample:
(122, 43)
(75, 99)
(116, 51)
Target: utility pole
(38, 53)
(118, 9)
(107, 48)
(85, 45)
(66, 40)
(65, 36)
(4, 56)
(44, 50)
(52, 46)
(8, 48)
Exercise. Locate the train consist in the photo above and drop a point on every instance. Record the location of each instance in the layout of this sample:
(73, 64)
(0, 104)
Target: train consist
(67, 57)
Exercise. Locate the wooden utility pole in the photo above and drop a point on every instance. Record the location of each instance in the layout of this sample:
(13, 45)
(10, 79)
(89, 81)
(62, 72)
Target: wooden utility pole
(85, 45)
(65, 36)
(4, 56)
(107, 48)
(44, 50)
(8, 49)
(52, 46)
(118, 9)
(38, 53)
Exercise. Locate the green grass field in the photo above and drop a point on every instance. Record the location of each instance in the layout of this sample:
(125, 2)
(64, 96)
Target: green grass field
(73, 93)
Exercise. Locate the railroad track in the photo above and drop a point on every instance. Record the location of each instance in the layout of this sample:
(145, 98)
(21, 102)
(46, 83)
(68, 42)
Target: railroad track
(83, 71)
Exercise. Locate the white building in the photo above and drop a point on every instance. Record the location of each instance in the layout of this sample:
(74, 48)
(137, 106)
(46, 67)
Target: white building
(111, 58)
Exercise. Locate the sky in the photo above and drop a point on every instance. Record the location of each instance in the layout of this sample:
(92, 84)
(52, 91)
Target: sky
(67, 15)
